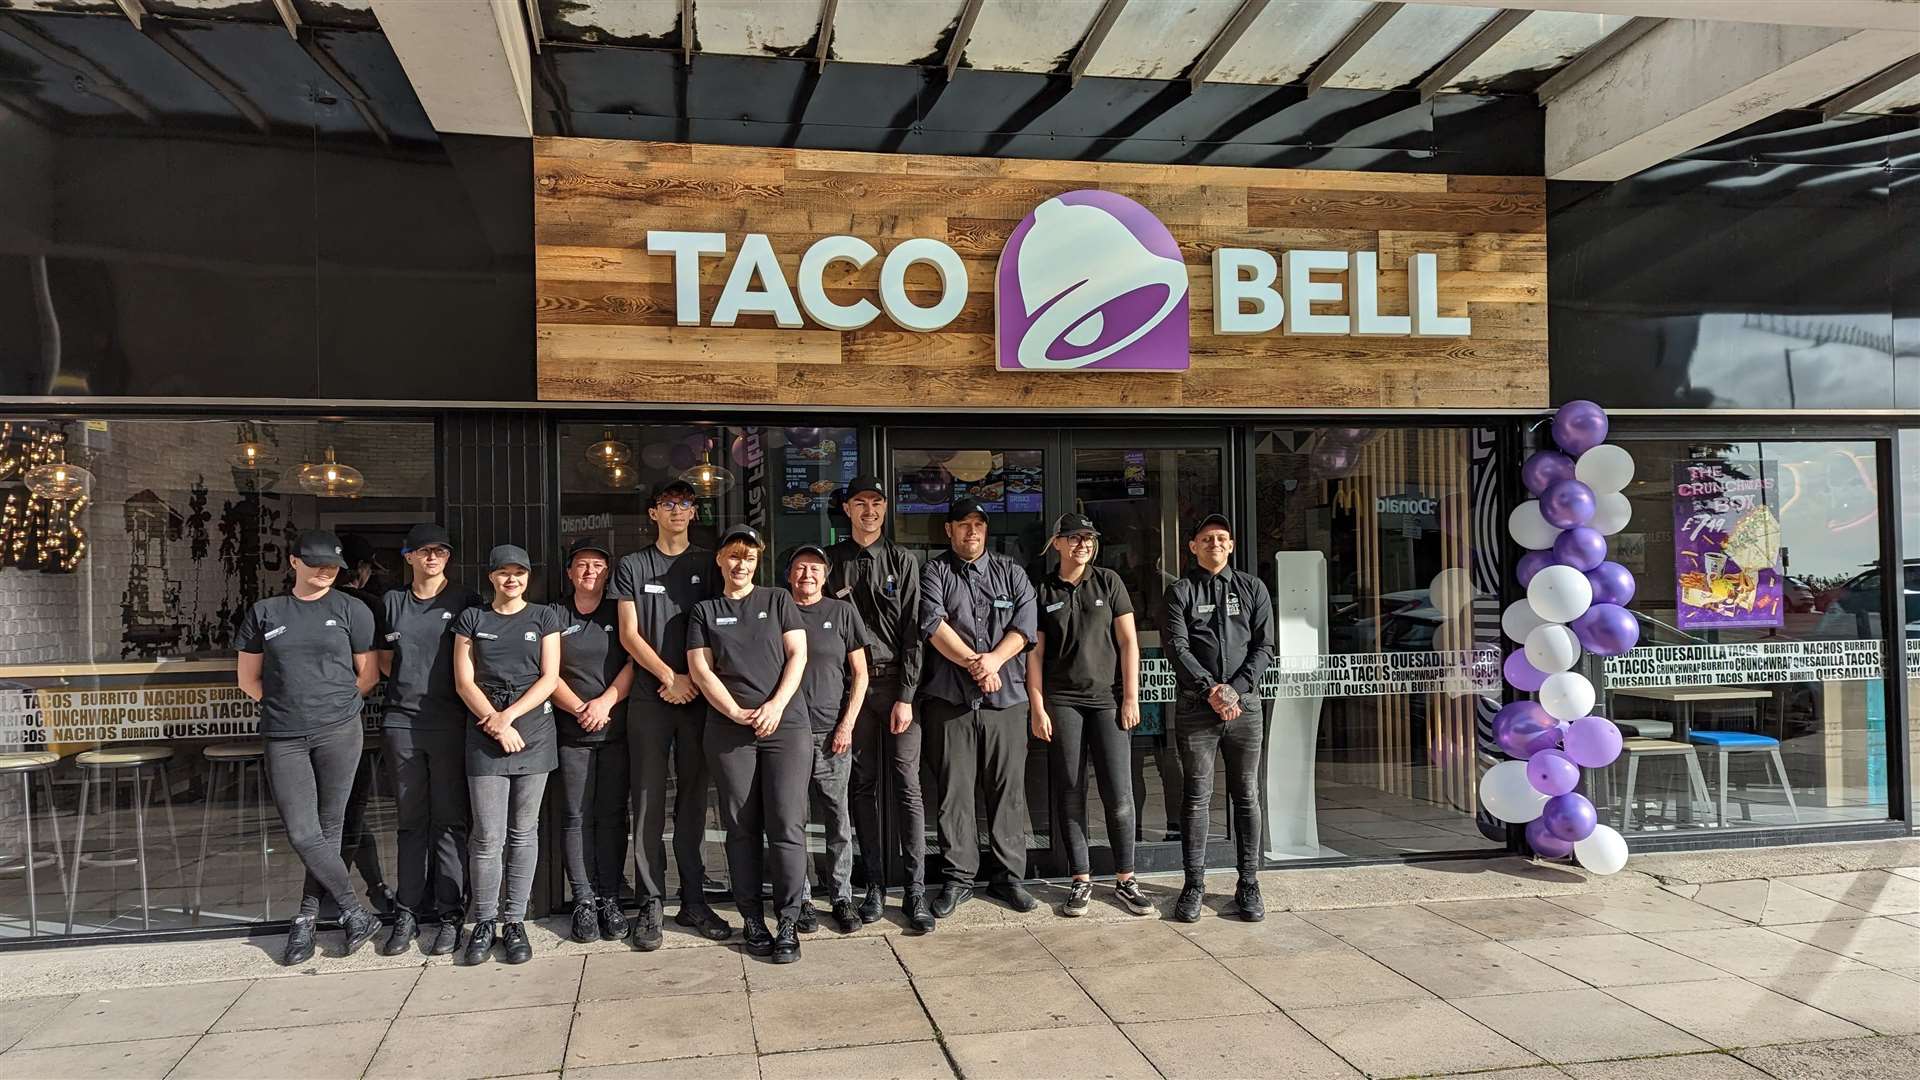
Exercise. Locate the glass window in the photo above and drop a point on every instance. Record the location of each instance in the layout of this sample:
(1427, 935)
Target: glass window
(1010, 484)
(121, 596)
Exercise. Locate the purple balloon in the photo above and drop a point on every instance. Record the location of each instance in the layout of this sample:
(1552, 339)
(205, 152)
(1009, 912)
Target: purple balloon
(1522, 675)
(1581, 548)
(1532, 563)
(1544, 843)
(1612, 583)
(1544, 469)
(1552, 773)
(1593, 742)
(1570, 817)
(1519, 727)
(1566, 504)
(1607, 630)
(1579, 426)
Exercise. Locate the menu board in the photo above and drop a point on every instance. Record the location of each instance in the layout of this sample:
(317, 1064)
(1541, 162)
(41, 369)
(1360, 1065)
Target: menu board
(1014, 483)
(814, 473)
(1726, 544)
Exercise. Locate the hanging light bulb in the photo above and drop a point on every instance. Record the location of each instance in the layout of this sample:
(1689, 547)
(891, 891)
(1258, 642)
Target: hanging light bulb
(609, 451)
(58, 481)
(248, 452)
(332, 478)
(619, 477)
(708, 479)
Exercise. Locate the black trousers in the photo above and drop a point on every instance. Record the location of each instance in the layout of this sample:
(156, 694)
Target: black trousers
(593, 817)
(763, 793)
(656, 734)
(1202, 736)
(876, 750)
(984, 749)
(312, 775)
(358, 848)
(1079, 735)
(430, 790)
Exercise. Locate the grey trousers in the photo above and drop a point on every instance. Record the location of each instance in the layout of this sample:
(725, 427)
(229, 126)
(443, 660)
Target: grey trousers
(430, 793)
(1079, 735)
(593, 818)
(763, 793)
(505, 843)
(658, 733)
(984, 749)
(1202, 736)
(312, 775)
(876, 750)
(828, 795)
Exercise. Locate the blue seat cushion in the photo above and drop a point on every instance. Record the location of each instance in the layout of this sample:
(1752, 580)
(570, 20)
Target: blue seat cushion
(1733, 740)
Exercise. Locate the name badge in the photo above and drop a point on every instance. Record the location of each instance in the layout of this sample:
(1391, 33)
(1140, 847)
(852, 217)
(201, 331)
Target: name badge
(726, 620)
(274, 633)
(652, 587)
(1003, 604)
(484, 636)
(571, 630)
(845, 591)
(1204, 609)
(1056, 606)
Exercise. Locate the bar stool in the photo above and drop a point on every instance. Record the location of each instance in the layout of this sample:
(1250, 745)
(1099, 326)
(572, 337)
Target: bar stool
(232, 765)
(27, 765)
(1729, 743)
(143, 768)
(1634, 750)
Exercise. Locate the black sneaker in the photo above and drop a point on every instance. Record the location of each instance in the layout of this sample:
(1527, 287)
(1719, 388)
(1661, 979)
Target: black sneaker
(479, 942)
(846, 916)
(401, 936)
(1247, 899)
(753, 933)
(586, 921)
(809, 920)
(1014, 894)
(704, 919)
(519, 949)
(915, 908)
(299, 942)
(446, 937)
(1132, 897)
(786, 943)
(952, 895)
(645, 933)
(1187, 908)
(359, 925)
(872, 904)
(1079, 898)
(613, 921)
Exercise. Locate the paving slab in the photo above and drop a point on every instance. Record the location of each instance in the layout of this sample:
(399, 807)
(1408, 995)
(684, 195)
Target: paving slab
(1615, 960)
(312, 1052)
(1097, 1051)
(1578, 1025)
(1735, 864)
(1408, 1038)
(1753, 952)
(1770, 903)
(1714, 1066)
(972, 952)
(1279, 933)
(1732, 1012)
(449, 988)
(1881, 942)
(1873, 891)
(828, 963)
(1268, 1045)
(21, 1016)
(1854, 1059)
(719, 1067)
(145, 1013)
(1181, 990)
(1522, 917)
(1882, 1000)
(320, 999)
(141, 1059)
(820, 1017)
(503, 1043)
(1646, 912)
(894, 1061)
(1323, 977)
(1380, 927)
(656, 1029)
(1009, 1001)
(664, 973)
(1119, 944)
(1473, 969)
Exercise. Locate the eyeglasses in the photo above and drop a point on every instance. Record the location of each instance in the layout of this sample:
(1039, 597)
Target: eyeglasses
(675, 505)
(1081, 539)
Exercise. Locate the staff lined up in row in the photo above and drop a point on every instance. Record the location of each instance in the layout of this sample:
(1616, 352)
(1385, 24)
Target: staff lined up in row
(790, 700)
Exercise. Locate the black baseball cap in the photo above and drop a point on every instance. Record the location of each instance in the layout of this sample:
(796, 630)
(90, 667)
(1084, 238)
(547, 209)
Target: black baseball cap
(1068, 524)
(743, 532)
(676, 486)
(426, 535)
(356, 549)
(814, 550)
(508, 555)
(964, 508)
(861, 485)
(587, 543)
(1209, 522)
(318, 547)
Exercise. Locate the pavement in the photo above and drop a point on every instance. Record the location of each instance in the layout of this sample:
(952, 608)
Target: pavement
(1774, 962)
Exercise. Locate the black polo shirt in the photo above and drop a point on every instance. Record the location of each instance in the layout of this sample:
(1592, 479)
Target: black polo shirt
(1080, 660)
(590, 659)
(307, 649)
(883, 581)
(664, 588)
(748, 651)
(506, 661)
(419, 634)
(835, 631)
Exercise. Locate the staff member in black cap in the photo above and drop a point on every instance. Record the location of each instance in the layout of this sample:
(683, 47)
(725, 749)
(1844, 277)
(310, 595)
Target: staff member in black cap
(977, 609)
(307, 658)
(425, 726)
(595, 678)
(506, 662)
(882, 580)
(833, 688)
(1218, 631)
(655, 588)
(360, 579)
(747, 651)
(1087, 648)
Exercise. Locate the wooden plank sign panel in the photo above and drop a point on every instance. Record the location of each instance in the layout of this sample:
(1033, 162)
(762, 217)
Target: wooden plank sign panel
(607, 308)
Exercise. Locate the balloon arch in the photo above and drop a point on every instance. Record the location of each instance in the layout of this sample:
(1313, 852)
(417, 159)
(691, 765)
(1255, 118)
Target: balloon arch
(1576, 602)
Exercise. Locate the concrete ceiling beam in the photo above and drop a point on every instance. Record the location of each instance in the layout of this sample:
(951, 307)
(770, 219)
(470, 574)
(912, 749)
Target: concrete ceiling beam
(468, 61)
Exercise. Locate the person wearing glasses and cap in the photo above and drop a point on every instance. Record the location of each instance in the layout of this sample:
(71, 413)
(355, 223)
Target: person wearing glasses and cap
(655, 588)
(882, 580)
(747, 651)
(424, 730)
(977, 610)
(1083, 700)
(1217, 629)
(596, 676)
(307, 658)
(506, 664)
(834, 687)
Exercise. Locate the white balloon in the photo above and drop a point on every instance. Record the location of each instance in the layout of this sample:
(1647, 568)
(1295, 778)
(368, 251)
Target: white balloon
(1603, 852)
(1450, 590)
(1529, 529)
(1611, 512)
(1560, 594)
(1507, 794)
(1519, 620)
(1605, 468)
(1566, 695)
(1552, 648)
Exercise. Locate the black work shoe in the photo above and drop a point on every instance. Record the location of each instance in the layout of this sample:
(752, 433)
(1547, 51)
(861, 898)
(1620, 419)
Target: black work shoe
(1079, 898)
(586, 922)
(359, 925)
(952, 895)
(1132, 897)
(299, 942)
(1187, 908)
(613, 921)
(1247, 899)
(809, 920)
(401, 936)
(846, 916)
(753, 933)
(872, 904)
(704, 919)
(1014, 894)
(519, 949)
(479, 942)
(918, 915)
(446, 938)
(786, 943)
(646, 926)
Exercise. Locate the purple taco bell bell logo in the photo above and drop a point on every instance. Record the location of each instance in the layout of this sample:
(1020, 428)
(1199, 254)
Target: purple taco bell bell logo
(1091, 280)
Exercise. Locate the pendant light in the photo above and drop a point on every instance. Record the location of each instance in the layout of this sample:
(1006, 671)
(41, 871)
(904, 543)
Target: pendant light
(708, 479)
(620, 477)
(248, 452)
(331, 478)
(58, 481)
(609, 451)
